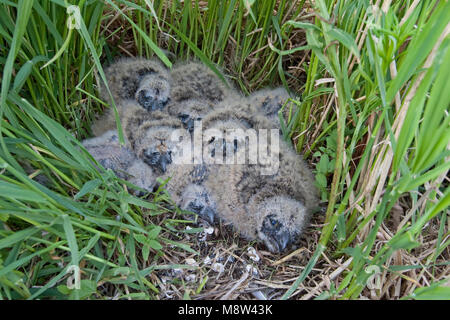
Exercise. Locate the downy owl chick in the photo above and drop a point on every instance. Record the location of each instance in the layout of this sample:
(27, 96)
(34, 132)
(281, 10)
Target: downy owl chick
(130, 80)
(166, 147)
(194, 80)
(270, 101)
(270, 205)
(143, 80)
(107, 151)
(190, 90)
(272, 208)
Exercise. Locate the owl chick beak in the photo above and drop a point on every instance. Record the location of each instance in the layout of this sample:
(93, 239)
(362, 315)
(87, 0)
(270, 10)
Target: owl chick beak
(208, 214)
(158, 160)
(165, 160)
(282, 240)
(205, 212)
(278, 242)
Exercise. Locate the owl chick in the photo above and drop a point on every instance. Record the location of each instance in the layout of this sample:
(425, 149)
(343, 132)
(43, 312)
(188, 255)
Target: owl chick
(271, 208)
(107, 151)
(269, 102)
(194, 80)
(165, 146)
(137, 82)
(189, 111)
(190, 90)
(143, 80)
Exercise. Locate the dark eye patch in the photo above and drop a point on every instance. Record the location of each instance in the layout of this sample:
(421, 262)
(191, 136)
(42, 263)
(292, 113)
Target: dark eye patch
(271, 225)
(195, 206)
(152, 157)
(183, 117)
(143, 72)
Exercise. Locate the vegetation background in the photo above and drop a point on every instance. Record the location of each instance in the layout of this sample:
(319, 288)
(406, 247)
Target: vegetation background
(369, 80)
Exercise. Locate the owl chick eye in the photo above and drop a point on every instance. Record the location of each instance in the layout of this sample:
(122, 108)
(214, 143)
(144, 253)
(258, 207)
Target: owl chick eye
(183, 117)
(273, 222)
(195, 206)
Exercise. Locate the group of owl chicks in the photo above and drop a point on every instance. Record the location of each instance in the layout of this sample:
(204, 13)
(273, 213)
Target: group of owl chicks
(153, 102)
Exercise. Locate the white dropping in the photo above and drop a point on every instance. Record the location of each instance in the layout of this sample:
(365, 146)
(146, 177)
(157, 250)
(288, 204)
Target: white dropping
(251, 252)
(259, 295)
(190, 278)
(251, 270)
(191, 262)
(218, 267)
(209, 230)
(207, 260)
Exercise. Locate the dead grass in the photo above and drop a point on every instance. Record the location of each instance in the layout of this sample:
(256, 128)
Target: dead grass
(229, 267)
